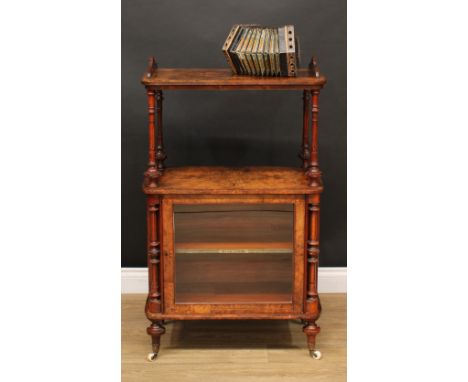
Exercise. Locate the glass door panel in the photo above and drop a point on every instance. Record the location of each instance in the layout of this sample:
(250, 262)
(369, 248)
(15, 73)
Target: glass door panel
(233, 253)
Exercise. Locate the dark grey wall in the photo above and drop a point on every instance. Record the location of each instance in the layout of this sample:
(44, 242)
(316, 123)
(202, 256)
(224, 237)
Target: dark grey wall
(231, 128)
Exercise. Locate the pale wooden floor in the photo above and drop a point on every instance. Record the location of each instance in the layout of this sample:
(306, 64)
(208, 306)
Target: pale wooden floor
(224, 351)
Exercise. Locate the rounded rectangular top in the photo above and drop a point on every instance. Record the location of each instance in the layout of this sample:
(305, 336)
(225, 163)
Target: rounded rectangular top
(224, 79)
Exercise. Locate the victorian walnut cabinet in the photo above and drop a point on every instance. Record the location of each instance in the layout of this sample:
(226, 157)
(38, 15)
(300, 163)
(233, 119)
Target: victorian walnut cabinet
(232, 243)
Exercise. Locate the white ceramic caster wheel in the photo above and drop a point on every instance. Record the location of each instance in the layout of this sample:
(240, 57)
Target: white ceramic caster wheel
(316, 354)
(151, 356)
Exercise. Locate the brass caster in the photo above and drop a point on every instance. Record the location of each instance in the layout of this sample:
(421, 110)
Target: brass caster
(316, 354)
(151, 356)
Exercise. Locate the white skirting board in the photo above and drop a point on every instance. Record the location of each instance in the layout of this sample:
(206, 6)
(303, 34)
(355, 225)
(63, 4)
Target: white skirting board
(331, 280)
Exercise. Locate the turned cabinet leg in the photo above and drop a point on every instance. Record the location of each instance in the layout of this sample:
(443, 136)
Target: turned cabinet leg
(311, 330)
(155, 330)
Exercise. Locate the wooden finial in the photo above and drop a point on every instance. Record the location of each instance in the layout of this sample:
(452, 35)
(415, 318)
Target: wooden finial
(313, 68)
(152, 66)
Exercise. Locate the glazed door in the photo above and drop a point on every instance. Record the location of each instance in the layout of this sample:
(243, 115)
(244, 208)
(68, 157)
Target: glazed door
(233, 255)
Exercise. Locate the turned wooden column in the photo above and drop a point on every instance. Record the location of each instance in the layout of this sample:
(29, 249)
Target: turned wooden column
(154, 255)
(151, 174)
(313, 171)
(160, 154)
(153, 304)
(313, 307)
(305, 152)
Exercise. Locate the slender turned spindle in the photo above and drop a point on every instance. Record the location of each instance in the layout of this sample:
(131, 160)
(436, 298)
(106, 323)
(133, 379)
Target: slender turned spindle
(314, 172)
(153, 303)
(154, 253)
(305, 153)
(151, 174)
(160, 154)
(313, 247)
(313, 307)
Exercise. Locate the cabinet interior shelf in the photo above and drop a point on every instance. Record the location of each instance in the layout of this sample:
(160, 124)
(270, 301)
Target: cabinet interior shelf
(233, 248)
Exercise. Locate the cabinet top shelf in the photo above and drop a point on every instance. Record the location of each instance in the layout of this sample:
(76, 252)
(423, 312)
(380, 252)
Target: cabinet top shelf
(223, 79)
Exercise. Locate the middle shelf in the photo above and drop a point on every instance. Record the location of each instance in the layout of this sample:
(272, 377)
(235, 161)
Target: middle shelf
(233, 181)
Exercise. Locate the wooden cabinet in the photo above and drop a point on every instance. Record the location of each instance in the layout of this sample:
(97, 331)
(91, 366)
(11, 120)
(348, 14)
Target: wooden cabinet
(232, 243)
